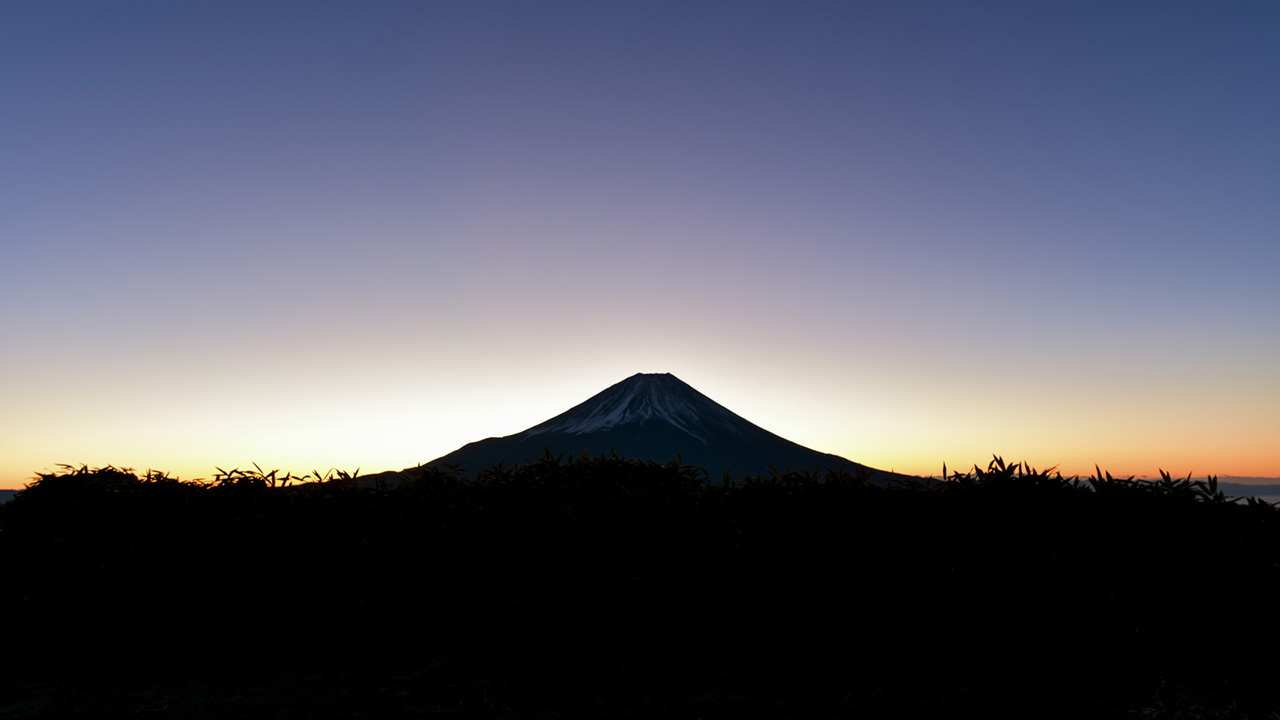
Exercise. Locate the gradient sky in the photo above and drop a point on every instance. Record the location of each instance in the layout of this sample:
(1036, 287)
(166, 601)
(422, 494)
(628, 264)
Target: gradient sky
(341, 234)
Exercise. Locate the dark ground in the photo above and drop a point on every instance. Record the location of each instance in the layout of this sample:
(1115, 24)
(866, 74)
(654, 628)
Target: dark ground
(605, 588)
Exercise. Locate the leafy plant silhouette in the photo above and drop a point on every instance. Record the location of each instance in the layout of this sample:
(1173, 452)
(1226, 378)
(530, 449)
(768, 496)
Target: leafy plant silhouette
(823, 590)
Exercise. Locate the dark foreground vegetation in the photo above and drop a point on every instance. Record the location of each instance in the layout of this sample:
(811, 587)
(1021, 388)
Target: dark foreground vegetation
(613, 588)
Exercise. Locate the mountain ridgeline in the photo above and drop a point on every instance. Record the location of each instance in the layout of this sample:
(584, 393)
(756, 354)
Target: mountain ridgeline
(656, 417)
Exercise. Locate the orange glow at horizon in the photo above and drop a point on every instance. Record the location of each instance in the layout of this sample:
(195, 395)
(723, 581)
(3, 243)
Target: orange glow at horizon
(904, 235)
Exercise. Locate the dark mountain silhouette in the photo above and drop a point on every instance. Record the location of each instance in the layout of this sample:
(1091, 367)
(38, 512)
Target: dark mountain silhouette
(655, 417)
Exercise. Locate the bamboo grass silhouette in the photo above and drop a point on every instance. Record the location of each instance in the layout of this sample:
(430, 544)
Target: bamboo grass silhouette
(1002, 570)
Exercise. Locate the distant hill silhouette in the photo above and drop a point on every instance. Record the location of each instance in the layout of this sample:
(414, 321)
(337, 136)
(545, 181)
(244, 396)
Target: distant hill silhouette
(656, 417)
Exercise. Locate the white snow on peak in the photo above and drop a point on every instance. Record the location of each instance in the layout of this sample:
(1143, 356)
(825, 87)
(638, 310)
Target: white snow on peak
(637, 401)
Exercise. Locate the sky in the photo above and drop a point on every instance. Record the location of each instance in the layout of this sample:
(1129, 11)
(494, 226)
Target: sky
(362, 234)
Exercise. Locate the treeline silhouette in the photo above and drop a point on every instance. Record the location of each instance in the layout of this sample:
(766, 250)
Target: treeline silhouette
(998, 589)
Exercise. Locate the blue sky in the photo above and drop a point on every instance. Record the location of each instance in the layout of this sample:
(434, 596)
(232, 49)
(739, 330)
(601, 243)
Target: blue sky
(363, 234)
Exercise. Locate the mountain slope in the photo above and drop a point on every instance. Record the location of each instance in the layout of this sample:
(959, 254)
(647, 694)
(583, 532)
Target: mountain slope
(654, 417)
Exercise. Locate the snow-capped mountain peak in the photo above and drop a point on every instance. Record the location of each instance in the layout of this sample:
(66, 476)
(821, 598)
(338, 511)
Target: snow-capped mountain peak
(653, 417)
(638, 399)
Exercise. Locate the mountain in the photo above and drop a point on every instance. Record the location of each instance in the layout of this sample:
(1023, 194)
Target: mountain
(655, 417)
